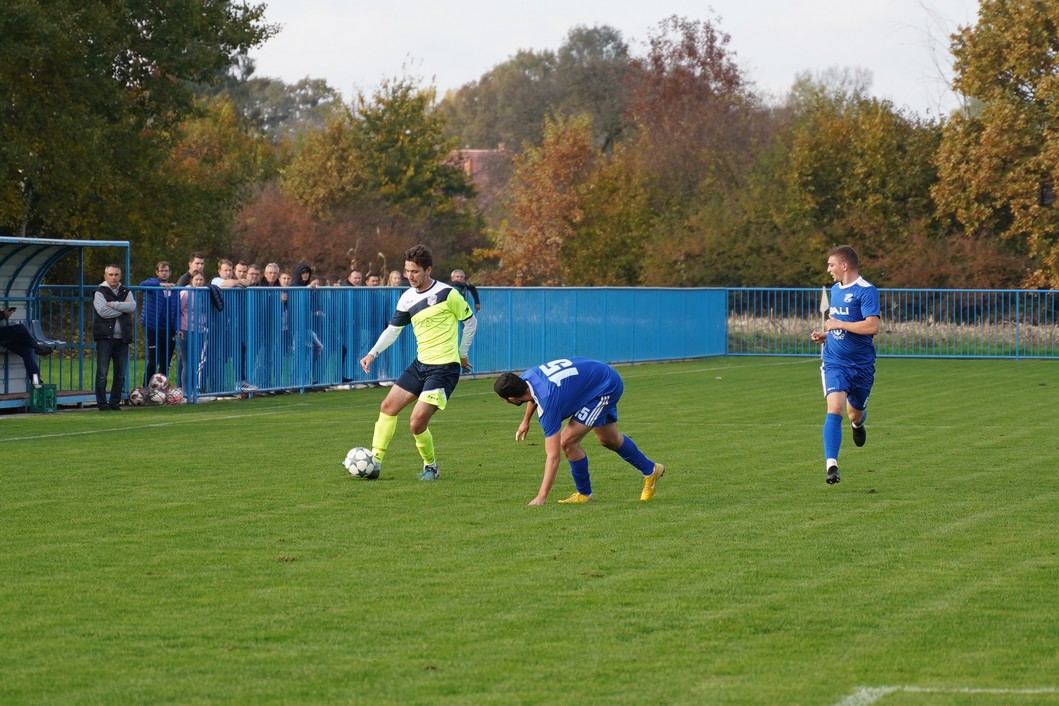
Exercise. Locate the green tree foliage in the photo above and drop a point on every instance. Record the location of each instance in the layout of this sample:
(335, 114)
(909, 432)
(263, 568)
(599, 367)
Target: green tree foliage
(993, 164)
(209, 169)
(326, 174)
(378, 178)
(695, 139)
(546, 205)
(508, 104)
(274, 108)
(94, 96)
(403, 146)
(607, 246)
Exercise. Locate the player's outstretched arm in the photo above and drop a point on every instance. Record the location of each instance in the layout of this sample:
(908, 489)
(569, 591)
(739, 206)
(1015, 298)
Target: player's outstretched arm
(523, 427)
(551, 467)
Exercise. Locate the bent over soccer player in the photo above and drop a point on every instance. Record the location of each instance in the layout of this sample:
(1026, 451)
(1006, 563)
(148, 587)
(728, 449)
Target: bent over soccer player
(434, 309)
(848, 370)
(587, 392)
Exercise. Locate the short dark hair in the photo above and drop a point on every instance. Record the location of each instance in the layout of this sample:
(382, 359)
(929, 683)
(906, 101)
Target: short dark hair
(510, 385)
(420, 255)
(847, 253)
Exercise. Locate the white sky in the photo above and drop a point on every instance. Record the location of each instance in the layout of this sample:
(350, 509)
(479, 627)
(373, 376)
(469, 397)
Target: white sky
(355, 44)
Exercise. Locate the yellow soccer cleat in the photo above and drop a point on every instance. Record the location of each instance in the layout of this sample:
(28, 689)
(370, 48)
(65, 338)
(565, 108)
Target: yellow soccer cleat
(648, 491)
(576, 498)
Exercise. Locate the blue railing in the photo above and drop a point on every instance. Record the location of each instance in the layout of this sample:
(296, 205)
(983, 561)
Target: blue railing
(299, 338)
(270, 339)
(960, 323)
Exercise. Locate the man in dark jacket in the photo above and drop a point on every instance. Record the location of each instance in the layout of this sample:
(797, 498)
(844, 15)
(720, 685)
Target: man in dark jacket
(160, 317)
(113, 306)
(17, 339)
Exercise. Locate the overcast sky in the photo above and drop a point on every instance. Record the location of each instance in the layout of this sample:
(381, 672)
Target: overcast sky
(355, 44)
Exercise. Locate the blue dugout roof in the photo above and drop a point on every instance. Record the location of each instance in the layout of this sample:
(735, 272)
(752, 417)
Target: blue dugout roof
(24, 262)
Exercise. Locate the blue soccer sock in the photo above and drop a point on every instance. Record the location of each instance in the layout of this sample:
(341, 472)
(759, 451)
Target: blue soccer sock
(579, 470)
(632, 454)
(832, 436)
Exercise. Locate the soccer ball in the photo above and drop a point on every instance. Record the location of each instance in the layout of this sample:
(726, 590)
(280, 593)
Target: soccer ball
(174, 395)
(155, 397)
(138, 397)
(158, 382)
(361, 464)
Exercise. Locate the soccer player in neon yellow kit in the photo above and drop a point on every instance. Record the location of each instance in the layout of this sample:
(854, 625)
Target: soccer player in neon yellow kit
(435, 311)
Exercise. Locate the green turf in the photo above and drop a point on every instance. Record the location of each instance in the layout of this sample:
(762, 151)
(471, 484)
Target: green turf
(219, 554)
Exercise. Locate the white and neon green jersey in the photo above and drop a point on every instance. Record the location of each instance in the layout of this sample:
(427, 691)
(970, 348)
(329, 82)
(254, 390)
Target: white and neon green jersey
(435, 316)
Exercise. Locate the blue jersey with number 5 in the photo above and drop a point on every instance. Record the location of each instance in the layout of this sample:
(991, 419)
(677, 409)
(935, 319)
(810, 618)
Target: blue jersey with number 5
(574, 387)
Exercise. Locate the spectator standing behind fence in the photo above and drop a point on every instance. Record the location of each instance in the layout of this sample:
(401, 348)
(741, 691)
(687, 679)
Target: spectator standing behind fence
(458, 278)
(113, 306)
(253, 275)
(160, 318)
(373, 279)
(197, 262)
(271, 275)
(848, 370)
(226, 276)
(303, 277)
(355, 278)
(17, 339)
(194, 305)
(395, 279)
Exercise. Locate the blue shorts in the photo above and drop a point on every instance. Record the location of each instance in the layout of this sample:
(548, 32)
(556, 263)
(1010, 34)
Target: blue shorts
(433, 384)
(855, 382)
(603, 409)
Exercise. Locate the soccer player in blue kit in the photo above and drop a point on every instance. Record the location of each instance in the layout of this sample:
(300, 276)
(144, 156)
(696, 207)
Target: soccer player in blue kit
(848, 370)
(586, 392)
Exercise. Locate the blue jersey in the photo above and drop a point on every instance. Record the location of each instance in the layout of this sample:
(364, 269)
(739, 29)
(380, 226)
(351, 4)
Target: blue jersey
(574, 387)
(852, 302)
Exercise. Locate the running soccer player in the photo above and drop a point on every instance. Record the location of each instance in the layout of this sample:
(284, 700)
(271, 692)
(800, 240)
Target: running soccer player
(434, 309)
(586, 392)
(848, 370)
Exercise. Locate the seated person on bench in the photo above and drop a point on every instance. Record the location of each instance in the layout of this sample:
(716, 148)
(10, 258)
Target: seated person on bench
(17, 339)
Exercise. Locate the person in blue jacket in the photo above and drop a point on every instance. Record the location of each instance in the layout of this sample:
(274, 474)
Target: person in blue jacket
(160, 317)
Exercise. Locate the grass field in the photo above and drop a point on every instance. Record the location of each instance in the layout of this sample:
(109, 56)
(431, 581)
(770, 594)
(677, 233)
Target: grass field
(219, 554)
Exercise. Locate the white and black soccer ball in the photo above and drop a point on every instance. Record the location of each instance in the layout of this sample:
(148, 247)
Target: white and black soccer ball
(361, 464)
(155, 397)
(138, 397)
(158, 381)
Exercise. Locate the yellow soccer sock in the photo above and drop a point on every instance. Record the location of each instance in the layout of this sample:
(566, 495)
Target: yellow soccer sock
(380, 440)
(425, 444)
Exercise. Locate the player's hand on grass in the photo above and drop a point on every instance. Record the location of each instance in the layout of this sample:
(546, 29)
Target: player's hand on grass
(537, 501)
(523, 430)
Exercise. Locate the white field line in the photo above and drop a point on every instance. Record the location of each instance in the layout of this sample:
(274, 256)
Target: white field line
(189, 420)
(868, 695)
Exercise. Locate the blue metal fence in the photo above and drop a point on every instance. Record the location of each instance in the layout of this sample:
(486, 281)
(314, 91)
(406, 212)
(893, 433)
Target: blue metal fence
(301, 338)
(915, 323)
(269, 339)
